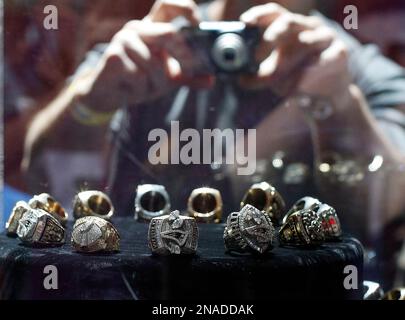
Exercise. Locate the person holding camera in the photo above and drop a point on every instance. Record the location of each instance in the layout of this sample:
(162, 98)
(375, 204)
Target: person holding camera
(316, 94)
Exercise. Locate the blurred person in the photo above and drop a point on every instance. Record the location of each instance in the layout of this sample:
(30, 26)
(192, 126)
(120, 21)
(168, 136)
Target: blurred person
(37, 64)
(319, 97)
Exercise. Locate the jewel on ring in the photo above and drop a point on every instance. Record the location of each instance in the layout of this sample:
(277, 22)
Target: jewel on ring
(38, 227)
(18, 211)
(94, 234)
(249, 230)
(330, 222)
(302, 228)
(173, 234)
(303, 203)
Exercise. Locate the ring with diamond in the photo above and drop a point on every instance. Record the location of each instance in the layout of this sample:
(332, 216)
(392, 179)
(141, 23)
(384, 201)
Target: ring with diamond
(151, 201)
(302, 228)
(92, 203)
(249, 230)
(303, 203)
(173, 234)
(46, 202)
(93, 234)
(38, 227)
(266, 198)
(205, 205)
(330, 222)
(18, 211)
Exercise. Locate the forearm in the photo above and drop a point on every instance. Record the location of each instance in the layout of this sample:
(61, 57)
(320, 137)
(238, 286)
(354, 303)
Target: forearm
(57, 126)
(351, 130)
(357, 168)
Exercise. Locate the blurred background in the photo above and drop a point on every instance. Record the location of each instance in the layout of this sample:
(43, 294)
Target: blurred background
(37, 63)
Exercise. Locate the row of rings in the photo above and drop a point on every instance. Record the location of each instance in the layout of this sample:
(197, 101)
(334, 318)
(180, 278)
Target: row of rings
(85, 203)
(96, 204)
(151, 201)
(205, 204)
(42, 222)
(308, 223)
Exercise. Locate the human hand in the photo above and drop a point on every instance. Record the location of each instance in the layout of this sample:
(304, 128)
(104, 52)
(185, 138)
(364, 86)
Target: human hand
(297, 54)
(144, 60)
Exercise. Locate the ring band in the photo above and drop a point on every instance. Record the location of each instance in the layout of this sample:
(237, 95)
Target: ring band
(47, 203)
(20, 208)
(38, 227)
(92, 203)
(151, 201)
(300, 204)
(302, 228)
(395, 294)
(249, 230)
(266, 198)
(205, 205)
(94, 234)
(173, 234)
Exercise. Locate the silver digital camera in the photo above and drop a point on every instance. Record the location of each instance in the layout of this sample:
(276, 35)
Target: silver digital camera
(225, 47)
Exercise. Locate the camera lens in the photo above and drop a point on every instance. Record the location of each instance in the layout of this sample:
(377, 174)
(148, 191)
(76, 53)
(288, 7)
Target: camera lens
(229, 52)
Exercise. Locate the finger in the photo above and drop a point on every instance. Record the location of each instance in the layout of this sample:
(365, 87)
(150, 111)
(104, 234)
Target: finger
(176, 74)
(320, 37)
(287, 26)
(133, 47)
(180, 50)
(164, 36)
(284, 32)
(128, 56)
(116, 60)
(330, 62)
(336, 52)
(262, 15)
(133, 62)
(152, 66)
(284, 66)
(156, 33)
(144, 40)
(167, 10)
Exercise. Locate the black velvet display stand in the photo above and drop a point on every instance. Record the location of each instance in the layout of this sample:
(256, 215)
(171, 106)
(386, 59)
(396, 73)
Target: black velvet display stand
(133, 273)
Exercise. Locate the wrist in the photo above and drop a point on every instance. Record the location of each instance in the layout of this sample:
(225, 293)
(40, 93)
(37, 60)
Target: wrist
(326, 109)
(343, 100)
(89, 90)
(82, 107)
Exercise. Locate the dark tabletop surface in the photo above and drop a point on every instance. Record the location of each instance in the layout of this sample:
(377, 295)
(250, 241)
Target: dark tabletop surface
(133, 273)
